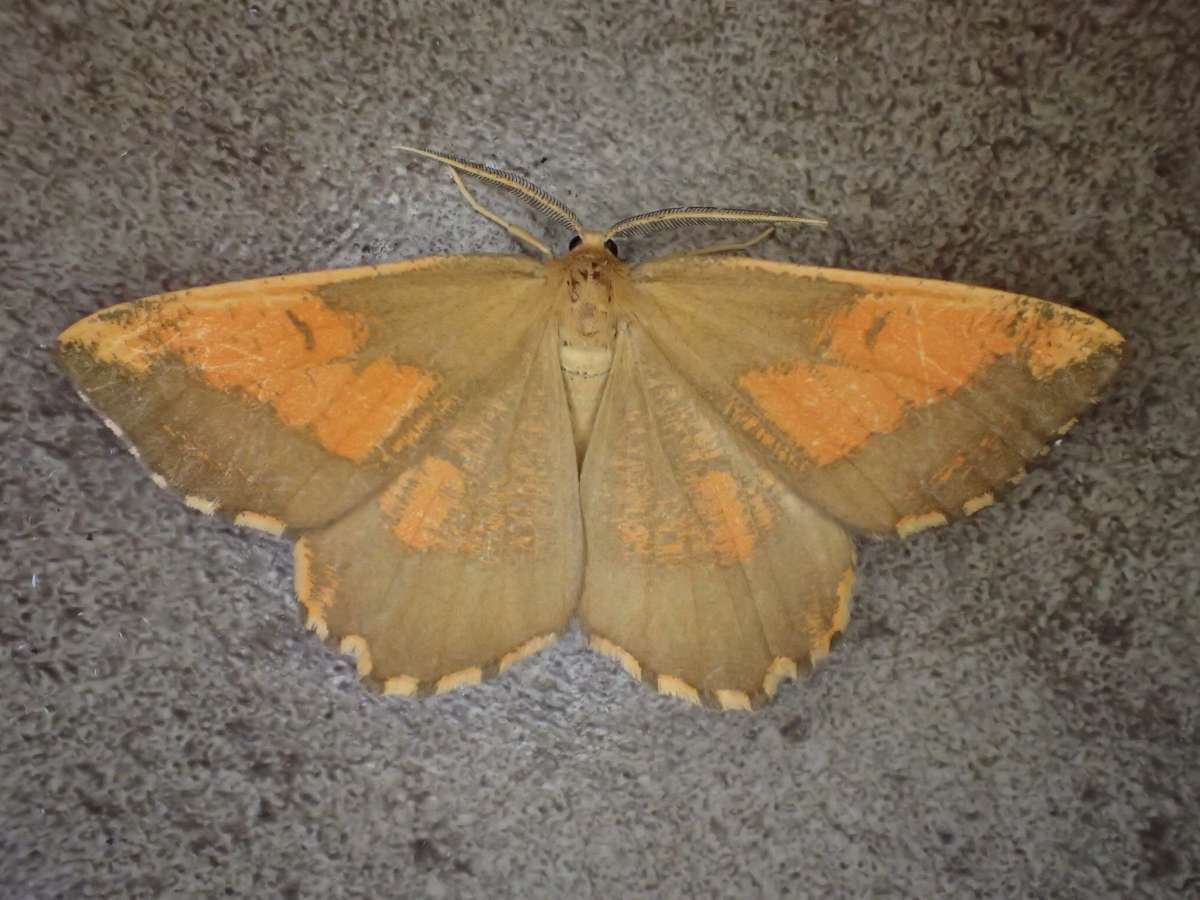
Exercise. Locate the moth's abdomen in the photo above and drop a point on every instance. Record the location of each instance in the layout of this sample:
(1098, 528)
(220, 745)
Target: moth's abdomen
(585, 372)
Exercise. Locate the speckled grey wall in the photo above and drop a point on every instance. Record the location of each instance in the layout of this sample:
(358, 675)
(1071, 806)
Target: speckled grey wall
(1013, 711)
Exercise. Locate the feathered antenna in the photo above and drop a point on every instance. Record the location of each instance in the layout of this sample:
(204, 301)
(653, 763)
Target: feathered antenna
(509, 181)
(682, 216)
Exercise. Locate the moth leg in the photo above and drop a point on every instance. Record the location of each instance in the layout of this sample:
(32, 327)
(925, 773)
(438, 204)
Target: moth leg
(515, 230)
(724, 246)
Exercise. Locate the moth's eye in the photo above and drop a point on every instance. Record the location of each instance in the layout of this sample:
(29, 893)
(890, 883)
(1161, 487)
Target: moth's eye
(611, 246)
(575, 242)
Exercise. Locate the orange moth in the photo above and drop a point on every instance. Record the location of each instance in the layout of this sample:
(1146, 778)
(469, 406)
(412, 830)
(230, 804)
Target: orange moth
(470, 451)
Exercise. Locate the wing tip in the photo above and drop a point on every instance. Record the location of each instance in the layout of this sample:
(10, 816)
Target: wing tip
(75, 333)
(909, 525)
(246, 518)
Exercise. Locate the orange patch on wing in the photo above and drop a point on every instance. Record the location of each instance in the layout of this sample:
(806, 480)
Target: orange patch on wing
(369, 407)
(295, 355)
(809, 403)
(721, 518)
(878, 358)
(730, 526)
(235, 344)
(415, 430)
(419, 502)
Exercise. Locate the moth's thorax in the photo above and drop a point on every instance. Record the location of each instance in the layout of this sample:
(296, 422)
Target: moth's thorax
(589, 277)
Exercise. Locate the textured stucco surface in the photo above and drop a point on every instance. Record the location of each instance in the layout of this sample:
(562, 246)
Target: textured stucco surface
(1013, 711)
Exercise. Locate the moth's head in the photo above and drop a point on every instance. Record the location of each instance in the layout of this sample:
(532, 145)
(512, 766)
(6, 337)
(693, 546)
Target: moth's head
(589, 242)
(591, 257)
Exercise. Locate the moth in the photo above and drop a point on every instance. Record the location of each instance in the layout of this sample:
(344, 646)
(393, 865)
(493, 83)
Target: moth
(471, 451)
